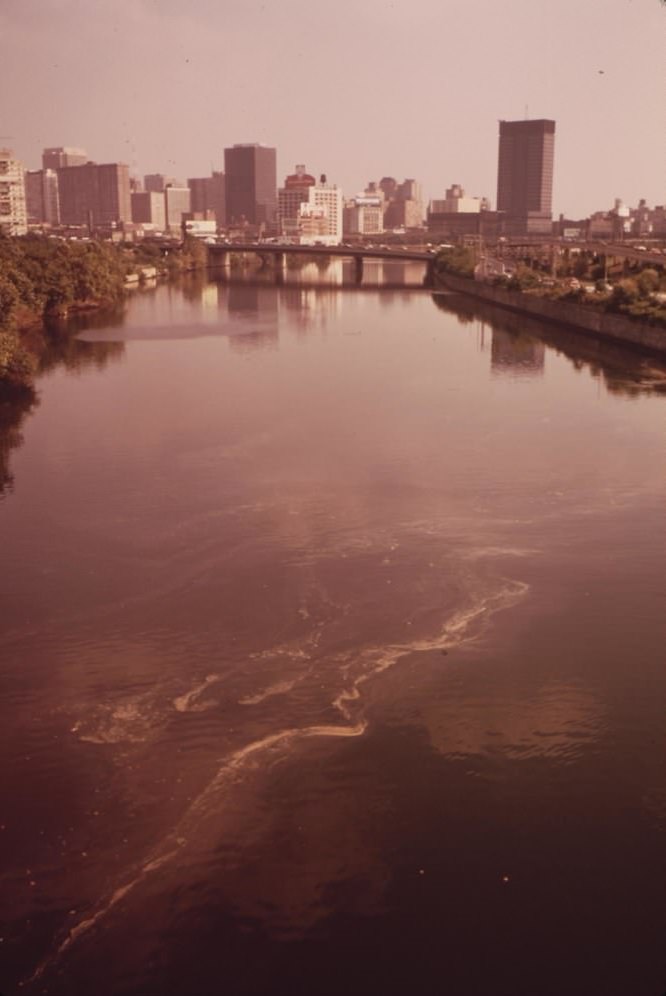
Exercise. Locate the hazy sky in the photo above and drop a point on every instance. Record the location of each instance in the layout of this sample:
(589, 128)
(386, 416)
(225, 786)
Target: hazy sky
(357, 90)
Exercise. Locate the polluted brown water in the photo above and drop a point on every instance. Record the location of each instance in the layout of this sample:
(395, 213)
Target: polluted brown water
(331, 642)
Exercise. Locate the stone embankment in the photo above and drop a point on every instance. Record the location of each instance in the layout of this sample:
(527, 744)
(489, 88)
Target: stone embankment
(619, 328)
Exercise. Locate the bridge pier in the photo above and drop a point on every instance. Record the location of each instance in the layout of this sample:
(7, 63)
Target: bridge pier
(429, 278)
(220, 258)
(358, 269)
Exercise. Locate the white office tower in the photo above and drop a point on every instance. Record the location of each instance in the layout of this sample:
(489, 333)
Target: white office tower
(13, 216)
(309, 213)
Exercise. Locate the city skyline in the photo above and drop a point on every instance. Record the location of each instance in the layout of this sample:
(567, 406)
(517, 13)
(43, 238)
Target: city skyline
(183, 85)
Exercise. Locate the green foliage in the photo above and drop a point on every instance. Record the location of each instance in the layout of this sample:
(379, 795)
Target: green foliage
(17, 365)
(459, 261)
(9, 299)
(49, 275)
(577, 295)
(632, 296)
(192, 255)
(525, 278)
(626, 292)
(648, 282)
(41, 276)
(145, 254)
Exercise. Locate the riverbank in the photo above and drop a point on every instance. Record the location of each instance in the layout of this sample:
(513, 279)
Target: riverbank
(44, 282)
(636, 333)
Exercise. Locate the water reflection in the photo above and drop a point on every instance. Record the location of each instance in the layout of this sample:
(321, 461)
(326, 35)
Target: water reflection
(54, 348)
(12, 416)
(623, 371)
(253, 314)
(66, 350)
(517, 354)
(249, 307)
(320, 271)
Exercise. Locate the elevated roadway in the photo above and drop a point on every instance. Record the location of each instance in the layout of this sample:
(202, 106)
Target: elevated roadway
(358, 254)
(614, 250)
(402, 253)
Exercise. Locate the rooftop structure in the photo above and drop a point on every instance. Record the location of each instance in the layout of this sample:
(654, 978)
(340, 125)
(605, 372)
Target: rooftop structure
(63, 156)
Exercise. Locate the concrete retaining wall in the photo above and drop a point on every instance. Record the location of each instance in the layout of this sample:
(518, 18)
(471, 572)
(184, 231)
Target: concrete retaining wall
(619, 328)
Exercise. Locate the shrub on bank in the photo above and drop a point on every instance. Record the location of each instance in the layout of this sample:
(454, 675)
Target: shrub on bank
(17, 365)
(50, 275)
(459, 261)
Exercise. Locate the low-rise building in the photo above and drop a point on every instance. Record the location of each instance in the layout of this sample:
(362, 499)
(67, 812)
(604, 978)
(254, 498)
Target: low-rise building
(364, 215)
(456, 202)
(456, 215)
(458, 224)
(200, 228)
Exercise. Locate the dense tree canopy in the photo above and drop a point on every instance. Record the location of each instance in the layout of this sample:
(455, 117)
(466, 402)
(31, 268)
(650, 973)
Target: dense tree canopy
(42, 275)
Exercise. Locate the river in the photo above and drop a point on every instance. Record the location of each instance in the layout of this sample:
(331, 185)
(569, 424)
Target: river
(332, 650)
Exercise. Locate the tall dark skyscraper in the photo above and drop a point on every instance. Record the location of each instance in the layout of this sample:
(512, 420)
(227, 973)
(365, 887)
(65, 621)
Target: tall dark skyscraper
(251, 184)
(525, 175)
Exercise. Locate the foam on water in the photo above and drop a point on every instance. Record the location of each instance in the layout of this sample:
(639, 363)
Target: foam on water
(279, 688)
(189, 702)
(464, 626)
(133, 721)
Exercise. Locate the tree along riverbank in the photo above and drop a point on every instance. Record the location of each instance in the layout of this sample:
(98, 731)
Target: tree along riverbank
(43, 281)
(631, 311)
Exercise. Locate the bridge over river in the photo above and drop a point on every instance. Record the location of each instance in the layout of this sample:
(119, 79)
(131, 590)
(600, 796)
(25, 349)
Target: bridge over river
(278, 250)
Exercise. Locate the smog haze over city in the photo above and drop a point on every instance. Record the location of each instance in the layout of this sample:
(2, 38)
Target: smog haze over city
(357, 91)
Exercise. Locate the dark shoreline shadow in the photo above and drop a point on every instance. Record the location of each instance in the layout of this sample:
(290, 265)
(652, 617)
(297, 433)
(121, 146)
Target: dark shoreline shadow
(625, 371)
